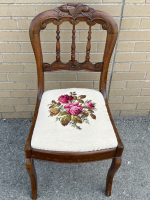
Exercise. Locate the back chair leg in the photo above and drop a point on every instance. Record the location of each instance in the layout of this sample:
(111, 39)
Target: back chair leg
(116, 162)
(32, 174)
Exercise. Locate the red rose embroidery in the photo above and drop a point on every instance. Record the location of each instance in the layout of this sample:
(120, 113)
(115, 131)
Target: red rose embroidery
(65, 98)
(89, 105)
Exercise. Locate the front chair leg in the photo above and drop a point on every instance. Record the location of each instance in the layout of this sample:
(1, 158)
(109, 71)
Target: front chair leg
(32, 174)
(116, 162)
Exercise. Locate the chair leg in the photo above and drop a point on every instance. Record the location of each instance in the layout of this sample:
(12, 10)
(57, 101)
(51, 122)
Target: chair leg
(32, 174)
(116, 162)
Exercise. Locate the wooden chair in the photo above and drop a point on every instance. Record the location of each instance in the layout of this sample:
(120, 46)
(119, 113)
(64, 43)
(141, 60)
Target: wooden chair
(70, 139)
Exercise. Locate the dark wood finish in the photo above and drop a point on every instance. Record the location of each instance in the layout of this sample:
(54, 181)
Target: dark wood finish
(73, 157)
(58, 23)
(73, 65)
(74, 13)
(32, 174)
(116, 162)
(73, 44)
(88, 46)
(58, 45)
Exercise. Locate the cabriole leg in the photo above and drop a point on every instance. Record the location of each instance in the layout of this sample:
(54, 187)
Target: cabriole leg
(116, 162)
(32, 174)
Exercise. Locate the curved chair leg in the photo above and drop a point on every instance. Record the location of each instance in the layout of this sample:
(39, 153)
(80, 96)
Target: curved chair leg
(32, 173)
(116, 162)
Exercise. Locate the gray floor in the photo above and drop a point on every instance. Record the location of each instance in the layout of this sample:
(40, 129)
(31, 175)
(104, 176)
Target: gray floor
(76, 181)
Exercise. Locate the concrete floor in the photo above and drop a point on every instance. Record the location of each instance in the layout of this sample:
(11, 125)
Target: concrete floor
(76, 181)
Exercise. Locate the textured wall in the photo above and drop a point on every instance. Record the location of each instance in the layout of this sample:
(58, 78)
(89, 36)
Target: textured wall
(130, 86)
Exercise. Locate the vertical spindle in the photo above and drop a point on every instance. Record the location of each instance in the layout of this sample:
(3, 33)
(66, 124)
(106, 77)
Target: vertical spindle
(88, 46)
(73, 44)
(58, 45)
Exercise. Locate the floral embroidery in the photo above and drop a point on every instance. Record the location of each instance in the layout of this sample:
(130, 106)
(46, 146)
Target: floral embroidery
(72, 109)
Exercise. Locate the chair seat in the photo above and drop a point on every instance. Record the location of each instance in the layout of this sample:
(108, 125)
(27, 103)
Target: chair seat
(73, 119)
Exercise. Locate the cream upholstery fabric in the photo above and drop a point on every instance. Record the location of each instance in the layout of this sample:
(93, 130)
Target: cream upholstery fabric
(50, 134)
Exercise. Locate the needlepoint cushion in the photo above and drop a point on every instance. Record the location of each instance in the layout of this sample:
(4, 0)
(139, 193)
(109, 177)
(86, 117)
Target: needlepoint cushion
(73, 119)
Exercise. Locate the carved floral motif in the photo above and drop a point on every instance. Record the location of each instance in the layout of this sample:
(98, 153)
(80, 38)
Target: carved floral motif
(74, 10)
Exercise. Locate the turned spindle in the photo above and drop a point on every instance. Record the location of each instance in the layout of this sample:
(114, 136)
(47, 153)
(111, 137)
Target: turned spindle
(73, 44)
(58, 45)
(88, 46)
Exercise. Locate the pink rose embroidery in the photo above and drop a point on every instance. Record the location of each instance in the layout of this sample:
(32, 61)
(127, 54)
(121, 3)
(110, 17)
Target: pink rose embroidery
(71, 104)
(75, 110)
(89, 105)
(65, 98)
(72, 109)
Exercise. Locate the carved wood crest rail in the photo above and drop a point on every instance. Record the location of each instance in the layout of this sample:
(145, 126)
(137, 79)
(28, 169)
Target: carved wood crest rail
(74, 10)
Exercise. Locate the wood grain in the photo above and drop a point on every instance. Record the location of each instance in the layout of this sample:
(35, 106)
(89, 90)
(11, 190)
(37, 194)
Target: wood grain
(116, 162)
(73, 65)
(33, 178)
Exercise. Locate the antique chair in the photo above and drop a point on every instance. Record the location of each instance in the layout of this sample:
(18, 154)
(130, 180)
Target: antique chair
(68, 127)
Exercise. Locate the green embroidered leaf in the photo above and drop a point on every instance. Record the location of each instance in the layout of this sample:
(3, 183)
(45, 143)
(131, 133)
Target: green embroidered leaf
(65, 119)
(90, 111)
(57, 119)
(53, 102)
(80, 101)
(76, 119)
(86, 121)
(58, 104)
(87, 101)
(78, 127)
(85, 114)
(85, 107)
(93, 116)
(81, 96)
(52, 106)
(62, 113)
(74, 98)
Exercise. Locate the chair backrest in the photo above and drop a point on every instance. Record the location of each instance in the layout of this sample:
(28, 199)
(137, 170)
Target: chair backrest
(74, 13)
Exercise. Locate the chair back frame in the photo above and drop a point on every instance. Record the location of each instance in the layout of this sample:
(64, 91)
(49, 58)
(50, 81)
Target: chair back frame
(74, 13)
